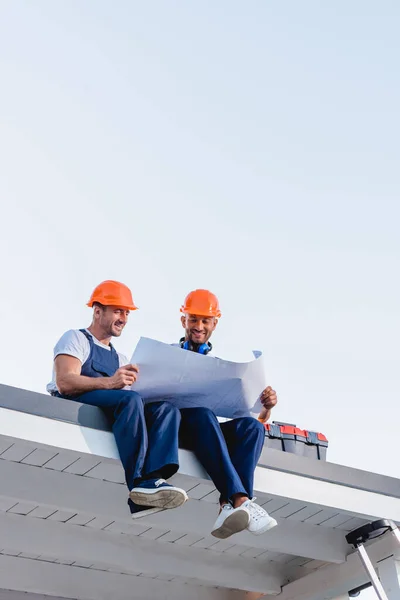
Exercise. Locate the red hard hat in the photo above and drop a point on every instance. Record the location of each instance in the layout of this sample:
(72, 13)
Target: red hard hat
(201, 302)
(112, 293)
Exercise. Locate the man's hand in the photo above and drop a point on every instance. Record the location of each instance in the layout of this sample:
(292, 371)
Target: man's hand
(126, 375)
(268, 399)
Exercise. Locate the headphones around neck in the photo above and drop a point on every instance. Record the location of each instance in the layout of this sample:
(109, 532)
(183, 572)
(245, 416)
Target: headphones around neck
(199, 348)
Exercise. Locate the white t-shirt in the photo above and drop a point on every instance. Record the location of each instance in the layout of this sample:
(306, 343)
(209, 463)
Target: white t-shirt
(75, 343)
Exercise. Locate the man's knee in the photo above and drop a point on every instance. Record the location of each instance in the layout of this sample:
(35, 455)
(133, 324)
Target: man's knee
(127, 397)
(249, 424)
(164, 409)
(199, 414)
(109, 398)
(260, 428)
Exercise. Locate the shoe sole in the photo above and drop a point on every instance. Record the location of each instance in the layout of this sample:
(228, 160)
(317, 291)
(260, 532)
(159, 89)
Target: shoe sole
(146, 513)
(270, 525)
(232, 524)
(162, 498)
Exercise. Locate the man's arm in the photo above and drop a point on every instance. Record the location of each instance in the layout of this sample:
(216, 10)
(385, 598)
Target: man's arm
(268, 399)
(70, 382)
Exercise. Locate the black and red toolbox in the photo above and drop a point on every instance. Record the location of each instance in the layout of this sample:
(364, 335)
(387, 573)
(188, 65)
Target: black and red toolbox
(289, 438)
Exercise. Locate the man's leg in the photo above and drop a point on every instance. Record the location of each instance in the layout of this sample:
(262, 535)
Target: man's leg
(129, 427)
(245, 439)
(201, 433)
(138, 450)
(162, 420)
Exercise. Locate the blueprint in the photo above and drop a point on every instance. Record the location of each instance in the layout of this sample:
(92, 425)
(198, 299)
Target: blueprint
(187, 379)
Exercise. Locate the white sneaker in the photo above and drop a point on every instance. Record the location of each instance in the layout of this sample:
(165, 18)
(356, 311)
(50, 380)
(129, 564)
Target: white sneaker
(230, 520)
(260, 520)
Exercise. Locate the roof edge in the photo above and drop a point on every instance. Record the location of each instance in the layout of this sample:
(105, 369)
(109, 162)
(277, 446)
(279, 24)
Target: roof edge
(69, 411)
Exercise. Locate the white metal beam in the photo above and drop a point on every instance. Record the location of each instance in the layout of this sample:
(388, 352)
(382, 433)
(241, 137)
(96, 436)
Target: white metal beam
(360, 503)
(84, 495)
(61, 581)
(127, 553)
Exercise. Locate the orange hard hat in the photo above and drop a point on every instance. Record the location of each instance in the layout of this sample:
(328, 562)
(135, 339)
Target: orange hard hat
(203, 303)
(112, 293)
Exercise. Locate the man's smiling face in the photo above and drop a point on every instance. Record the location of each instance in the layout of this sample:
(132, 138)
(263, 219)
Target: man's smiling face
(198, 328)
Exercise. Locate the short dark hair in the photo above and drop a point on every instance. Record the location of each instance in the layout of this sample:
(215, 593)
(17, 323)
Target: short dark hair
(99, 305)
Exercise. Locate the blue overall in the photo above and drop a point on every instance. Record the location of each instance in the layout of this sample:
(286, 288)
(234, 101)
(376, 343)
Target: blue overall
(228, 451)
(146, 435)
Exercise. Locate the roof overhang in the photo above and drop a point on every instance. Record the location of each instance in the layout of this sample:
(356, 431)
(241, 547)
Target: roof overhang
(63, 510)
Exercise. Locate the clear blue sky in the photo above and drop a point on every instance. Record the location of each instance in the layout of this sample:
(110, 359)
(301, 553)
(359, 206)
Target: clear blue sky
(251, 148)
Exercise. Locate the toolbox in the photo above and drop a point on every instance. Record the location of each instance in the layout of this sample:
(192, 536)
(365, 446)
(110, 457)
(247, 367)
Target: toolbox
(289, 438)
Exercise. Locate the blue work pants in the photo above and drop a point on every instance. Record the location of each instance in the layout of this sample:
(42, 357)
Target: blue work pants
(228, 451)
(146, 435)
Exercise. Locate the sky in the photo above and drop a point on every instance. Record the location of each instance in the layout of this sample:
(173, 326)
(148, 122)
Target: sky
(248, 148)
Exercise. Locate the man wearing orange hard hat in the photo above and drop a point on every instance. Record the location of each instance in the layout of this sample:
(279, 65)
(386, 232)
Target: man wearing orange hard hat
(88, 369)
(229, 451)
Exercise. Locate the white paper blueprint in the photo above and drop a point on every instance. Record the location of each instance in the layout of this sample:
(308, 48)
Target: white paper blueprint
(188, 379)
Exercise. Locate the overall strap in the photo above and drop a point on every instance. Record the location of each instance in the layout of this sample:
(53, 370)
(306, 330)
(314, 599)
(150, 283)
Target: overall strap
(89, 336)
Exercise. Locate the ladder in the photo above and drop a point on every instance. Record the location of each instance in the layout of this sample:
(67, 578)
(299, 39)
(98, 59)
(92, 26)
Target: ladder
(358, 538)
